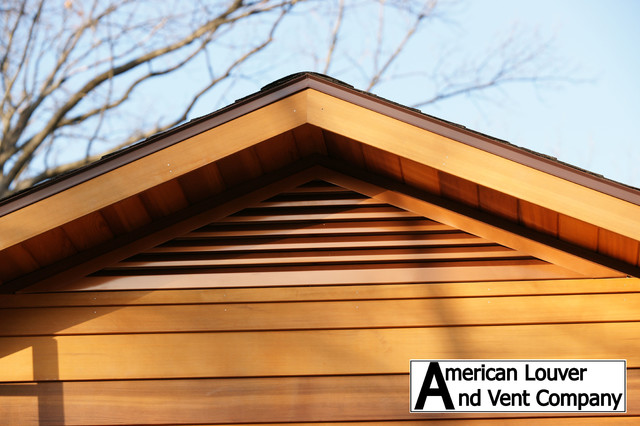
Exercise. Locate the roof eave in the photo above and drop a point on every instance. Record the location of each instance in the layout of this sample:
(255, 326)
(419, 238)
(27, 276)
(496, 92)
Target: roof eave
(295, 83)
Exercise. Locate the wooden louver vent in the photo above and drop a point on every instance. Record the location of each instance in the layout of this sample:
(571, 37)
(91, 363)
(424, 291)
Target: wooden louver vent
(321, 234)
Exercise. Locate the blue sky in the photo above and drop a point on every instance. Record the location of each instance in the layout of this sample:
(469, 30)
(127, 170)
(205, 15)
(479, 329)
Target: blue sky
(593, 124)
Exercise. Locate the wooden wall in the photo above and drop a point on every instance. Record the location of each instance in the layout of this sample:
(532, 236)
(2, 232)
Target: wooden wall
(304, 309)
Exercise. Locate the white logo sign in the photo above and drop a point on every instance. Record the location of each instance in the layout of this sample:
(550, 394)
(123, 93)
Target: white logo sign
(518, 386)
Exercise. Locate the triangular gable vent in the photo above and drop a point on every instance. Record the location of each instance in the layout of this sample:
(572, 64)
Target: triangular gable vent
(320, 234)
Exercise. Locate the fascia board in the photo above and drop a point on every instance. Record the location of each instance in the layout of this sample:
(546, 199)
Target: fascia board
(478, 140)
(501, 232)
(311, 99)
(153, 169)
(477, 165)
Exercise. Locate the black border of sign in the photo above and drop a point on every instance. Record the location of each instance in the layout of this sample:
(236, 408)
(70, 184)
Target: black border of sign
(518, 360)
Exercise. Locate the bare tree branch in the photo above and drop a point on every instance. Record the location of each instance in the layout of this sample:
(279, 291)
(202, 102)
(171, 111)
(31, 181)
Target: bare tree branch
(77, 76)
(27, 149)
(512, 61)
(380, 71)
(334, 37)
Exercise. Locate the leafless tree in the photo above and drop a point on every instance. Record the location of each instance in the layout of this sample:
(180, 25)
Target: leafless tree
(79, 78)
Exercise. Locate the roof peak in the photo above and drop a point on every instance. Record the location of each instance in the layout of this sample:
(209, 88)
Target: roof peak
(304, 75)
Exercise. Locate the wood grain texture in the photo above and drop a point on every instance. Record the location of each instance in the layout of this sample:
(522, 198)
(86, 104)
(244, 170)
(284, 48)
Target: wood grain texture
(240, 167)
(202, 183)
(329, 213)
(306, 303)
(382, 162)
(582, 420)
(277, 152)
(419, 176)
(499, 420)
(345, 149)
(578, 232)
(335, 227)
(265, 252)
(495, 202)
(152, 170)
(323, 293)
(15, 261)
(127, 215)
(308, 352)
(538, 218)
(41, 248)
(164, 199)
(339, 256)
(324, 275)
(472, 164)
(288, 399)
(490, 231)
(458, 189)
(321, 315)
(180, 223)
(619, 246)
(195, 242)
(88, 231)
(309, 140)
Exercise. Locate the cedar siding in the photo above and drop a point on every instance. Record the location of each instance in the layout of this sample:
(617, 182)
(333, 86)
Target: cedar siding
(282, 260)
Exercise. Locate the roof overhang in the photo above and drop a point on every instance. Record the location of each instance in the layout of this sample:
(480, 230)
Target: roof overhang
(402, 134)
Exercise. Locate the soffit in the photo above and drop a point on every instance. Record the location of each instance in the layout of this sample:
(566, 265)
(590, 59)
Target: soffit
(323, 234)
(274, 200)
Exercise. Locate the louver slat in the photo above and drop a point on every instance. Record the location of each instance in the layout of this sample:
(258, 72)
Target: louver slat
(321, 234)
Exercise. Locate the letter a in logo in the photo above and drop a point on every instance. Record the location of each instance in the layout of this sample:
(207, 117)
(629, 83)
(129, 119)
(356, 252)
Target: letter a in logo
(441, 391)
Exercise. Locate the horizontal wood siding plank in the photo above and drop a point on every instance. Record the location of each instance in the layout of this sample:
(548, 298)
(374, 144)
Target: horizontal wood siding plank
(293, 293)
(170, 260)
(232, 401)
(627, 420)
(361, 213)
(321, 315)
(581, 420)
(316, 275)
(317, 186)
(279, 202)
(332, 241)
(320, 227)
(291, 353)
